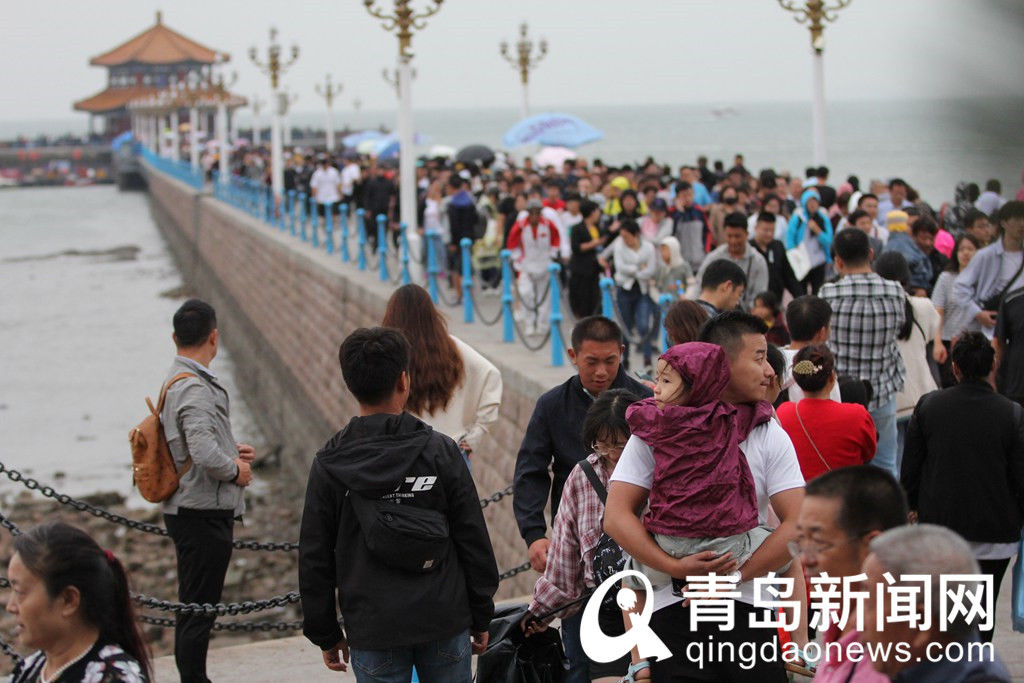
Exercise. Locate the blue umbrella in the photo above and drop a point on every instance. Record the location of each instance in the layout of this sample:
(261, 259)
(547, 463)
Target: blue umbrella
(551, 129)
(353, 139)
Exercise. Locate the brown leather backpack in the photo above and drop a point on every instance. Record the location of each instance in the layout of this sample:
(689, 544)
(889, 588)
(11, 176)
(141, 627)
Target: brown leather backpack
(153, 470)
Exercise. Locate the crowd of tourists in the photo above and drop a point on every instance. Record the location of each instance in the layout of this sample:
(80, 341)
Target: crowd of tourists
(841, 398)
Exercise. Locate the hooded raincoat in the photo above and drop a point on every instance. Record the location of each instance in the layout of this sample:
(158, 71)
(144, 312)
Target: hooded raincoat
(820, 249)
(702, 487)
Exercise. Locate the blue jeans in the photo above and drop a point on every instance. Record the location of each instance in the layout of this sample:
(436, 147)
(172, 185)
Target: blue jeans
(579, 665)
(448, 660)
(635, 308)
(885, 422)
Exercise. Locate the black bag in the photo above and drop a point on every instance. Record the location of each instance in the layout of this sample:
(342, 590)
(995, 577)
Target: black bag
(992, 303)
(402, 536)
(606, 560)
(514, 657)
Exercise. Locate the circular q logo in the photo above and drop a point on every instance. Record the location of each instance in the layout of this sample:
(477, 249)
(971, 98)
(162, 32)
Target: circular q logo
(602, 648)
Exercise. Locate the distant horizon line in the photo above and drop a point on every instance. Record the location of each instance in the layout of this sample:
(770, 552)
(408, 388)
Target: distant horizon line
(560, 107)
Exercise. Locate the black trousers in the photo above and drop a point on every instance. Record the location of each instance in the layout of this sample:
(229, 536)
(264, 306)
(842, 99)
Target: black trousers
(202, 544)
(672, 625)
(996, 569)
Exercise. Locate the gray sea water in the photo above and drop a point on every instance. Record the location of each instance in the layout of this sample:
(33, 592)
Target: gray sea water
(933, 144)
(85, 334)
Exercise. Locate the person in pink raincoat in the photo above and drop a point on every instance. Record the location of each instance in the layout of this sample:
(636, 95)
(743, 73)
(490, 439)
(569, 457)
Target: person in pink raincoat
(702, 497)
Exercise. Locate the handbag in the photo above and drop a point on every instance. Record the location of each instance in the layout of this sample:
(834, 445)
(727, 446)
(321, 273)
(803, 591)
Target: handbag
(799, 261)
(607, 558)
(796, 409)
(992, 303)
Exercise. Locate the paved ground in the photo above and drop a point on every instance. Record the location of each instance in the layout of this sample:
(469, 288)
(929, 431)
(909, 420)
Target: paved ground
(295, 659)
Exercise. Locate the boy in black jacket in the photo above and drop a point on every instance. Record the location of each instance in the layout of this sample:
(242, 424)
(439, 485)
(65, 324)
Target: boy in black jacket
(392, 528)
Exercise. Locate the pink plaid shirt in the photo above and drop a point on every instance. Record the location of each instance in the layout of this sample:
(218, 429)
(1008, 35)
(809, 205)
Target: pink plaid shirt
(576, 531)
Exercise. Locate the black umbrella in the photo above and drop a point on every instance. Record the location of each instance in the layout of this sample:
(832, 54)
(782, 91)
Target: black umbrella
(481, 154)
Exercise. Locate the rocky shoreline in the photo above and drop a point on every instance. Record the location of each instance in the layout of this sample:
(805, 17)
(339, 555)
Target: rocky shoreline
(273, 514)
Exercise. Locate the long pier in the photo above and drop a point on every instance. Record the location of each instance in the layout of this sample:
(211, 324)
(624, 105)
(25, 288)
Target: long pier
(284, 307)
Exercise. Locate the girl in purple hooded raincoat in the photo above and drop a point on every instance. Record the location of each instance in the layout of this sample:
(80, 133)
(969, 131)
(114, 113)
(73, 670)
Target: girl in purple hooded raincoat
(702, 497)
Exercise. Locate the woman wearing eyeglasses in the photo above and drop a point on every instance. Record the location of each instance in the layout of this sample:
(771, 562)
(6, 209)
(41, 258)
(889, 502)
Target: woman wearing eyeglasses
(581, 556)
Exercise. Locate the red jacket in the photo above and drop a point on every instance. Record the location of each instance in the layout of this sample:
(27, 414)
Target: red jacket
(844, 433)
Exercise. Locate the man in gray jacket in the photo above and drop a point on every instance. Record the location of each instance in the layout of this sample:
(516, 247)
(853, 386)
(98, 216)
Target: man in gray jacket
(739, 251)
(200, 515)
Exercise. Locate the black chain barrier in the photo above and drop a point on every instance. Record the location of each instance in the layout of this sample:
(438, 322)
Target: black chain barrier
(220, 609)
(146, 527)
(488, 322)
(525, 566)
(9, 651)
(233, 627)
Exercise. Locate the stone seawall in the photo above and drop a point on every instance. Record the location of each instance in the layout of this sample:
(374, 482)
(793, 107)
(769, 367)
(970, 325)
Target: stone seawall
(283, 308)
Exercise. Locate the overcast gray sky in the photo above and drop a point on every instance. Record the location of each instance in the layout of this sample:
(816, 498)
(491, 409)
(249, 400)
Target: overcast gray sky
(601, 51)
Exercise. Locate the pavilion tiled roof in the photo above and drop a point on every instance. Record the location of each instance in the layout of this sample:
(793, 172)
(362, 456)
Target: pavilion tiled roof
(113, 98)
(158, 45)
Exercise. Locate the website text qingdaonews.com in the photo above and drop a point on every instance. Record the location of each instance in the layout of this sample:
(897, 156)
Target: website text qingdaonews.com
(748, 654)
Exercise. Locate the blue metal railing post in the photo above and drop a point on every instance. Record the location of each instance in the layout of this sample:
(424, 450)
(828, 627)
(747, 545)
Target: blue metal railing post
(329, 228)
(557, 352)
(303, 213)
(382, 246)
(279, 211)
(665, 300)
(291, 211)
(314, 224)
(406, 277)
(217, 190)
(343, 243)
(431, 265)
(508, 334)
(467, 280)
(607, 307)
(361, 236)
(268, 205)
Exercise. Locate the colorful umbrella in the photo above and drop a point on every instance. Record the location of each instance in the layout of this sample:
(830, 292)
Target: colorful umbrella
(557, 130)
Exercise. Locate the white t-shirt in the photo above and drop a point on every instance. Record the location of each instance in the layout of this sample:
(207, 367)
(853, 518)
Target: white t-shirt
(772, 460)
(325, 183)
(1011, 264)
(349, 178)
(795, 392)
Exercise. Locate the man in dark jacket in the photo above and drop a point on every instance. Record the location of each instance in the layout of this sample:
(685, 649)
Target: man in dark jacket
(392, 526)
(780, 273)
(553, 441)
(462, 222)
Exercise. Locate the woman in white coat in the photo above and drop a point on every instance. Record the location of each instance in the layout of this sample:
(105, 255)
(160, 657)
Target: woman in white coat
(454, 389)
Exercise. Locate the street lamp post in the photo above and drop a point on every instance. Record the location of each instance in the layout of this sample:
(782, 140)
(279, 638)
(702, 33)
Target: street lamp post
(329, 92)
(815, 13)
(391, 78)
(274, 67)
(525, 60)
(257, 106)
(403, 21)
(192, 95)
(221, 92)
(288, 98)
